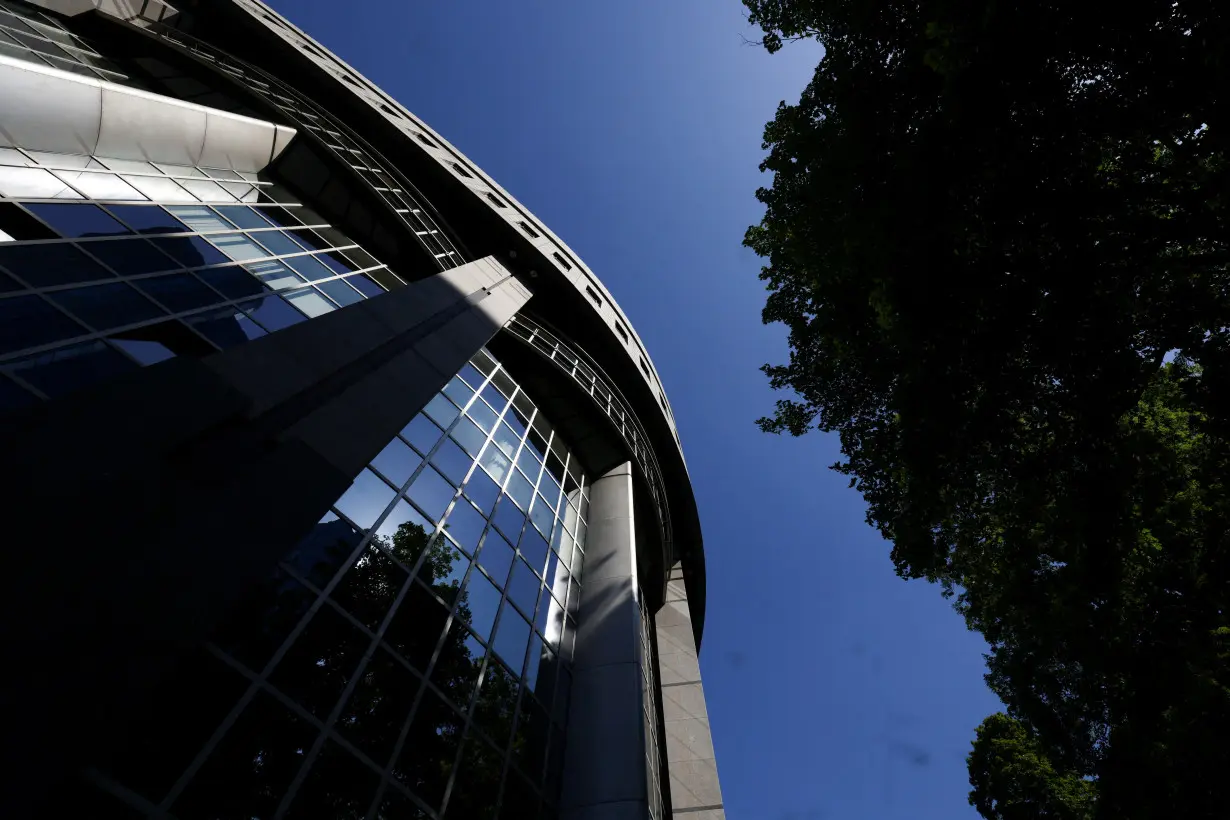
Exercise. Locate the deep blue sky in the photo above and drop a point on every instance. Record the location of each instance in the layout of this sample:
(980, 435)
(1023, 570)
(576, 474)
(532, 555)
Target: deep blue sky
(835, 689)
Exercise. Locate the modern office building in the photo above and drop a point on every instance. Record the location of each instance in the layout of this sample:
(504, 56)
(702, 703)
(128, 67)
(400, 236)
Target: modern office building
(335, 484)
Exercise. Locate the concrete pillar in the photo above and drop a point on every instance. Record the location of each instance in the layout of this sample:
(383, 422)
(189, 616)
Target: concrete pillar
(604, 771)
(694, 790)
(137, 511)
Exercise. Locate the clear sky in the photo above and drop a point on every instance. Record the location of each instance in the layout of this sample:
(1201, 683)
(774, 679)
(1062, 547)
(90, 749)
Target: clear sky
(836, 690)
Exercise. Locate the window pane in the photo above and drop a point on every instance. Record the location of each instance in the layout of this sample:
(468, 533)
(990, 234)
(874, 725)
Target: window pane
(483, 601)
(441, 410)
(179, 291)
(520, 490)
(129, 257)
(100, 186)
(50, 264)
(232, 282)
(34, 183)
(274, 274)
(153, 343)
(28, 321)
(422, 433)
(191, 251)
(496, 557)
(465, 525)
(238, 246)
(147, 219)
(71, 368)
(366, 285)
(72, 220)
(508, 519)
(523, 588)
(512, 637)
(277, 242)
(272, 313)
(106, 306)
(159, 189)
(458, 391)
(452, 461)
(226, 328)
(311, 267)
(366, 499)
(340, 292)
(396, 462)
(482, 491)
(431, 493)
(310, 302)
(533, 548)
(495, 463)
(244, 216)
(483, 415)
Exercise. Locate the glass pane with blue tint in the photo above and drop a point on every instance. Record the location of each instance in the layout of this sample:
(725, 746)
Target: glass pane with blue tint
(537, 663)
(452, 461)
(449, 567)
(144, 351)
(147, 219)
(516, 419)
(190, 251)
(366, 285)
(432, 493)
(199, 218)
(483, 415)
(496, 557)
(529, 462)
(310, 302)
(309, 267)
(336, 262)
(422, 433)
(511, 639)
(243, 216)
(441, 410)
(482, 491)
(465, 524)
(534, 548)
(472, 376)
(238, 246)
(179, 291)
(469, 436)
(523, 586)
(226, 327)
(28, 321)
(520, 489)
(508, 519)
(506, 439)
(73, 220)
(107, 306)
(396, 462)
(130, 257)
(483, 601)
(495, 463)
(272, 313)
(366, 499)
(549, 488)
(274, 274)
(51, 263)
(542, 516)
(458, 391)
(277, 242)
(404, 532)
(340, 292)
(70, 368)
(324, 550)
(561, 544)
(550, 621)
(535, 441)
(233, 282)
(493, 396)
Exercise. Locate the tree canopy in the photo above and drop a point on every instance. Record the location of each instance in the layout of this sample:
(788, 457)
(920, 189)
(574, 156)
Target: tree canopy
(988, 225)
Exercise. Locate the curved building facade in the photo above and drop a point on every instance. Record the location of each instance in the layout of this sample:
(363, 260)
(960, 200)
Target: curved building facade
(337, 484)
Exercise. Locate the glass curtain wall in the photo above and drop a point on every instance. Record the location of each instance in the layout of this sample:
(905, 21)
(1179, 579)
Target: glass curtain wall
(412, 654)
(108, 264)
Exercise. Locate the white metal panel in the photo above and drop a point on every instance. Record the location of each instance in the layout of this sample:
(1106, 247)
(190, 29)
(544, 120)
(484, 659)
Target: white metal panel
(46, 109)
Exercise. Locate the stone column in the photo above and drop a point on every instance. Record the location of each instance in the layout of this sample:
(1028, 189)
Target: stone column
(695, 793)
(604, 771)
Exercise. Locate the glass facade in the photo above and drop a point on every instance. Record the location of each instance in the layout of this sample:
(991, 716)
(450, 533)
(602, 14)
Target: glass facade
(108, 264)
(29, 34)
(411, 653)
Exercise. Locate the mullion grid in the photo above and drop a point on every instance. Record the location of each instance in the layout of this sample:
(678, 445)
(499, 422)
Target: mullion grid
(470, 731)
(32, 22)
(609, 401)
(649, 693)
(174, 266)
(299, 109)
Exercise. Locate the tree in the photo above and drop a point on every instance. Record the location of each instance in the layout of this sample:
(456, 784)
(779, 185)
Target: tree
(988, 224)
(1012, 777)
